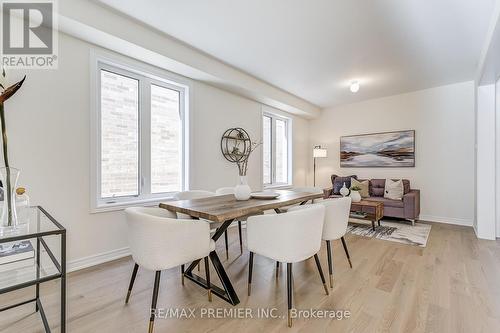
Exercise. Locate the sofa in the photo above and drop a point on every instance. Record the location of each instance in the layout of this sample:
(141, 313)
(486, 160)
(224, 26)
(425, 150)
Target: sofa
(408, 208)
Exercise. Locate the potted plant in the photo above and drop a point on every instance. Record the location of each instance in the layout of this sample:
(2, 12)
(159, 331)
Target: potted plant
(355, 196)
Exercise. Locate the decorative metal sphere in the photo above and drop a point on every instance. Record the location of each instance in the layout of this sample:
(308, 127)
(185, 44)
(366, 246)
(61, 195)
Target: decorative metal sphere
(235, 145)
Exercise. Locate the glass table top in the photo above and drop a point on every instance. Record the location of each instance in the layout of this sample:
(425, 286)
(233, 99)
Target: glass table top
(32, 221)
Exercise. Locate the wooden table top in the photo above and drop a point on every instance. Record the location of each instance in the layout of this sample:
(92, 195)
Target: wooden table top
(221, 208)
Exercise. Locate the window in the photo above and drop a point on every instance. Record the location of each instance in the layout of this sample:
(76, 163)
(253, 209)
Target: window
(140, 146)
(276, 150)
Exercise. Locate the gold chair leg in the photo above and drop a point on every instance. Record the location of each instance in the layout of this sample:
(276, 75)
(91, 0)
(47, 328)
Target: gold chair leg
(326, 289)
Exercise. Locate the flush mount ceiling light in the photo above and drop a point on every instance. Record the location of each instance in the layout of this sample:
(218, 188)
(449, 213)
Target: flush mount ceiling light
(354, 86)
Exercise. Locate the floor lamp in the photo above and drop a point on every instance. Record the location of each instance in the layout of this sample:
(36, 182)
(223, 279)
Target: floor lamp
(318, 152)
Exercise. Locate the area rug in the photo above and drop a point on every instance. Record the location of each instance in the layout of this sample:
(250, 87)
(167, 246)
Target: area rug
(400, 232)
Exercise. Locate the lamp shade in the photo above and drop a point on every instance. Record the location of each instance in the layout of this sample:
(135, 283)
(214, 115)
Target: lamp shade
(319, 152)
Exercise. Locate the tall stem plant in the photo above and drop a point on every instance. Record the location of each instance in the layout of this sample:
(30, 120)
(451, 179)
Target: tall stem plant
(6, 94)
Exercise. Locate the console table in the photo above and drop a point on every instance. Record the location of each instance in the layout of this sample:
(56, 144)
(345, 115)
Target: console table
(46, 267)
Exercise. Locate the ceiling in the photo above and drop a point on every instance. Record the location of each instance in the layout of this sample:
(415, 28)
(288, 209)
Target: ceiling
(314, 48)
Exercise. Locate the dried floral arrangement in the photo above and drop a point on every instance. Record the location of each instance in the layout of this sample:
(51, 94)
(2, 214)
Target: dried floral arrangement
(4, 96)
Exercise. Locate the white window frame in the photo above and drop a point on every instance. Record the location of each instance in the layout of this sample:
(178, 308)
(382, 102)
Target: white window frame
(289, 132)
(147, 76)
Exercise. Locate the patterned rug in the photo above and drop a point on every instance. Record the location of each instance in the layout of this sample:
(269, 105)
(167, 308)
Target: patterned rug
(400, 232)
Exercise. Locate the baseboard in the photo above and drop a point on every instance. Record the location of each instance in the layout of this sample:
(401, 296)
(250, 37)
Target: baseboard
(97, 259)
(448, 220)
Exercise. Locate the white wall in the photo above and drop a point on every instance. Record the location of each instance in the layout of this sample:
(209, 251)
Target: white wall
(443, 119)
(215, 111)
(486, 187)
(48, 123)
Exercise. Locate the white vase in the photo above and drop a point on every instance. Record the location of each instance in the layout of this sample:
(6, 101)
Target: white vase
(355, 196)
(242, 191)
(344, 191)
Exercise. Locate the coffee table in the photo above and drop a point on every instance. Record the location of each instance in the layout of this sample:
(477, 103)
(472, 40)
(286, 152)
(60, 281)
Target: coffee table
(373, 211)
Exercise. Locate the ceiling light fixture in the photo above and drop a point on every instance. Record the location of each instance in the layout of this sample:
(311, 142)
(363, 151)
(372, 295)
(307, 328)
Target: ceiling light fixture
(354, 86)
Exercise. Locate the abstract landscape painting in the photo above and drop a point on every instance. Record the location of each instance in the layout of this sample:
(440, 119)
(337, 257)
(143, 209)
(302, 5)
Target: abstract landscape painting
(391, 149)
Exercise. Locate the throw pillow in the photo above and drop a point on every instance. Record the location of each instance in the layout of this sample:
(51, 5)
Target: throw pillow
(393, 189)
(338, 182)
(364, 185)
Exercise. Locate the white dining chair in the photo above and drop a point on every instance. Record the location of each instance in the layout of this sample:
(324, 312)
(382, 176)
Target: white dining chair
(200, 194)
(289, 238)
(159, 241)
(335, 227)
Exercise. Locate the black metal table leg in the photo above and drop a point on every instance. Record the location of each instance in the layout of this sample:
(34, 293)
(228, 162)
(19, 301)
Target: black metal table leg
(37, 288)
(207, 276)
(227, 291)
(227, 245)
(63, 282)
(44, 317)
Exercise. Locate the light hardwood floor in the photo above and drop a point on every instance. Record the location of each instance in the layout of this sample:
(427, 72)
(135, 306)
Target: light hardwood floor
(452, 285)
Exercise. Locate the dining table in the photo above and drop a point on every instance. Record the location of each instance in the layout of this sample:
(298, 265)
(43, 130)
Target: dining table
(225, 209)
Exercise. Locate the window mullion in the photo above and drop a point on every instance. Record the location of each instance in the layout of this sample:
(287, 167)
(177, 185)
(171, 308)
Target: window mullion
(145, 135)
(273, 150)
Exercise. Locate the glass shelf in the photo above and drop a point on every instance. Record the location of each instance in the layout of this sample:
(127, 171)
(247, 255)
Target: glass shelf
(27, 275)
